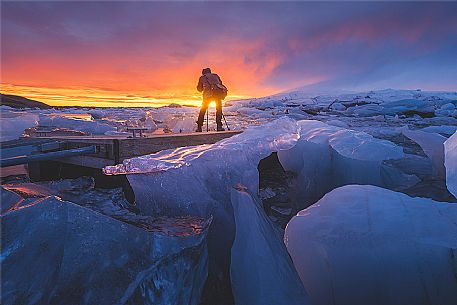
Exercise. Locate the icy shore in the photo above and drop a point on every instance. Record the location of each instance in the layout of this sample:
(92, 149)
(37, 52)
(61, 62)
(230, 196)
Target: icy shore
(201, 180)
(351, 244)
(375, 112)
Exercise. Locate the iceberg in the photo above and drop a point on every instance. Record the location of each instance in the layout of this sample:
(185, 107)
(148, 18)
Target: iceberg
(13, 124)
(368, 245)
(443, 129)
(57, 252)
(261, 270)
(450, 163)
(326, 157)
(386, 107)
(8, 199)
(199, 181)
(433, 146)
(184, 125)
(91, 127)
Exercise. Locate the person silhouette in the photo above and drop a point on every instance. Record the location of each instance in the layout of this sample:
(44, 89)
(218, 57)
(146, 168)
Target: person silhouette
(213, 90)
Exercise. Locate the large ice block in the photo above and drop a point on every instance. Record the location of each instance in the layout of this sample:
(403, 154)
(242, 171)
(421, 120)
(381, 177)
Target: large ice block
(262, 272)
(56, 252)
(327, 157)
(368, 245)
(199, 180)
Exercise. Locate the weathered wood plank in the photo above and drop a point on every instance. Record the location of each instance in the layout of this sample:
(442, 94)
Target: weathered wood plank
(87, 161)
(133, 147)
(114, 149)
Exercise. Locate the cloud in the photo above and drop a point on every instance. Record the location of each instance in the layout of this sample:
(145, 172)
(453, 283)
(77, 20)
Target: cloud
(258, 48)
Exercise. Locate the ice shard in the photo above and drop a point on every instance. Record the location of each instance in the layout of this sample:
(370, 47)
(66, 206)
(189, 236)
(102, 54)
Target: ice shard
(433, 146)
(262, 272)
(57, 252)
(362, 244)
(327, 157)
(450, 163)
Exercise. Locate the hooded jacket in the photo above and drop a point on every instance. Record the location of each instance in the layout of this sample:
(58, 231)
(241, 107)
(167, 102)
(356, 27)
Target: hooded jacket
(205, 82)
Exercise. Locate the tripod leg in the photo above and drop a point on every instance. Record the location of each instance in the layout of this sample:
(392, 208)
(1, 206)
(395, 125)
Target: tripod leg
(207, 119)
(228, 128)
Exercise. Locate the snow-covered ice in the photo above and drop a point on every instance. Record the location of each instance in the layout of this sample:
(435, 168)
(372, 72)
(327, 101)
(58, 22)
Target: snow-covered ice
(370, 108)
(324, 141)
(87, 126)
(13, 123)
(368, 245)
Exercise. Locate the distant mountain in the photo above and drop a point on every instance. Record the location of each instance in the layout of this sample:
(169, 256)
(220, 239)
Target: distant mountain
(16, 101)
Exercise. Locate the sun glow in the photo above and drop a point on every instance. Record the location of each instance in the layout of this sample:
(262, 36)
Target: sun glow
(89, 97)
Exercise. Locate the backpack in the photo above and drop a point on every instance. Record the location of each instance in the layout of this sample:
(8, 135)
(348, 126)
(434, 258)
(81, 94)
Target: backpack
(218, 90)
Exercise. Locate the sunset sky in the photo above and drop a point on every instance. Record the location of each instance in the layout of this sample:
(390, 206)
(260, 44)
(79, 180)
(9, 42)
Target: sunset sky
(152, 53)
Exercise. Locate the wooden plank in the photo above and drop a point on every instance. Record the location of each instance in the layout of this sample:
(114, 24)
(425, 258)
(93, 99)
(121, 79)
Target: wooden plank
(23, 148)
(114, 149)
(87, 161)
(104, 146)
(24, 141)
(227, 133)
(138, 147)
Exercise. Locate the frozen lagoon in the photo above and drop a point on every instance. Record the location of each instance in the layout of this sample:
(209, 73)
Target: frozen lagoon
(367, 146)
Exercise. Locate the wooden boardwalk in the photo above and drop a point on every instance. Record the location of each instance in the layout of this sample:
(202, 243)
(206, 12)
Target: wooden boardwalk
(113, 150)
(110, 150)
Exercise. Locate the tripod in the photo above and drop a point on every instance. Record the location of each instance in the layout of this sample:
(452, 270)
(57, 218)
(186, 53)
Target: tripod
(228, 128)
(207, 120)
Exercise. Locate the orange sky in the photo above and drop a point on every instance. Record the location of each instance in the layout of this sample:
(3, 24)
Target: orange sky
(109, 79)
(146, 53)
(108, 75)
(99, 80)
(87, 97)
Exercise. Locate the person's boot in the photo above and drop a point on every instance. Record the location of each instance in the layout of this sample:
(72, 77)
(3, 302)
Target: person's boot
(220, 128)
(199, 128)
